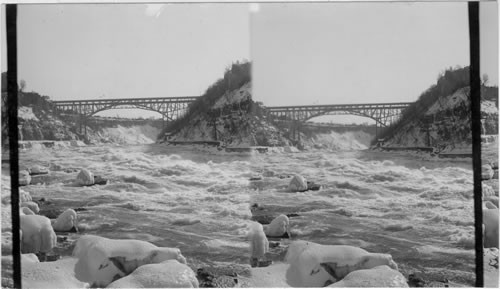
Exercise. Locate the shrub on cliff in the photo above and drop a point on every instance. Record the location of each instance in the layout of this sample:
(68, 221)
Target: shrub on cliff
(234, 77)
(448, 82)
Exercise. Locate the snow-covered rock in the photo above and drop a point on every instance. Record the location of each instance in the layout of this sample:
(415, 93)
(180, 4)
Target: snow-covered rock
(31, 205)
(26, 211)
(380, 276)
(298, 184)
(290, 149)
(24, 178)
(102, 260)
(259, 245)
(37, 234)
(279, 226)
(167, 274)
(486, 172)
(487, 191)
(489, 205)
(315, 265)
(66, 221)
(56, 274)
(24, 196)
(493, 199)
(38, 170)
(30, 257)
(85, 178)
(490, 222)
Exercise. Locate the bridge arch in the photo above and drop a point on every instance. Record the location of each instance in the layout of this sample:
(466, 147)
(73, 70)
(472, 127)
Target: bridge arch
(134, 106)
(383, 113)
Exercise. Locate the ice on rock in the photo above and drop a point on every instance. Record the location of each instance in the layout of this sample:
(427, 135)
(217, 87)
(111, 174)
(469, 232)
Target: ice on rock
(30, 257)
(31, 205)
(26, 211)
(486, 172)
(102, 260)
(24, 196)
(24, 178)
(490, 222)
(279, 226)
(37, 234)
(38, 170)
(380, 276)
(85, 178)
(259, 245)
(315, 265)
(66, 221)
(56, 274)
(167, 274)
(487, 191)
(297, 184)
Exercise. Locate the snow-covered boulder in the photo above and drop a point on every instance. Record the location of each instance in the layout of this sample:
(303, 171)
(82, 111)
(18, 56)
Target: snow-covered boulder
(278, 227)
(30, 257)
(24, 196)
(167, 274)
(259, 245)
(290, 149)
(486, 172)
(26, 211)
(102, 260)
(489, 205)
(85, 178)
(38, 170)
(380, 276)
(487, 191)
(37, 234)
(490, 222)
(493, 199)
(315, 265)
(31, 205)
(56, 274)
(24, 178)
(67, 221)
(298, 184)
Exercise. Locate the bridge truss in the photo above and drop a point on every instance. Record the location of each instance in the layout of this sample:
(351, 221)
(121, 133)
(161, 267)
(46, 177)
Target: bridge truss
(383, 113)
(169, 107)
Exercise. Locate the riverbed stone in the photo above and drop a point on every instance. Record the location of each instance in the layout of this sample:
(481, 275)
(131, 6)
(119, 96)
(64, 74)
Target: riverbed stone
(98, 180)
(486, 172)
(85, 178)
(222, 276)
(298, 184)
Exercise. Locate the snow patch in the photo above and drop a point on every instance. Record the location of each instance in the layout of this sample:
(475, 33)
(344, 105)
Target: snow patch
(26, 113)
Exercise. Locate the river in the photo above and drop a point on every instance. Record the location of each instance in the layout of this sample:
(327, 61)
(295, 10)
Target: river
(415, 207)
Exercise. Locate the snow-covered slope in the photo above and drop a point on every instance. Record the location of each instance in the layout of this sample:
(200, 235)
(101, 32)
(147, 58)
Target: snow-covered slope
(231, 122)
(446, 124)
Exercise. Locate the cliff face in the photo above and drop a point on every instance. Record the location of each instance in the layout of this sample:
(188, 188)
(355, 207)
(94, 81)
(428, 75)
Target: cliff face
(42, 126)
(235, 120)
(446, 123)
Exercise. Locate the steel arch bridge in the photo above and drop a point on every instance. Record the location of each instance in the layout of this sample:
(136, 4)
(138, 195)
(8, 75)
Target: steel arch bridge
(169, 107)
(383, 113)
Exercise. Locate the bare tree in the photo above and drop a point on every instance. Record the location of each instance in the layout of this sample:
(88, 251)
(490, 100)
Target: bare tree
(22, 85)
(485, 79)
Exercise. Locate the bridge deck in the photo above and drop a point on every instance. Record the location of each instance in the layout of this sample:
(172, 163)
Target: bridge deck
(131, 100)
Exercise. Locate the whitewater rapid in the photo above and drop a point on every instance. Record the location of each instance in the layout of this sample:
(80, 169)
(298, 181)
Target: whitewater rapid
(415, 207)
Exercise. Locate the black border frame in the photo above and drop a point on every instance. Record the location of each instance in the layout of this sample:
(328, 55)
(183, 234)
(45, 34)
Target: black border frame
(475, 95)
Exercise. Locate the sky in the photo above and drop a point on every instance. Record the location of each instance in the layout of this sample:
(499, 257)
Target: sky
(302, 53)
